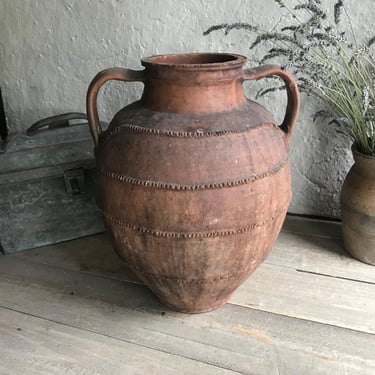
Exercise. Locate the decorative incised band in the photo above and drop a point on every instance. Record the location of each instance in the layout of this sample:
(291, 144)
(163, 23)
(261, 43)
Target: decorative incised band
(192, 235)
(185, 134)
(211, 185)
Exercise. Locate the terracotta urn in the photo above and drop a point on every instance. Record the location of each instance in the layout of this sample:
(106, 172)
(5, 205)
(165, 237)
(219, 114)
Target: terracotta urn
(193, 178)
(358, 208)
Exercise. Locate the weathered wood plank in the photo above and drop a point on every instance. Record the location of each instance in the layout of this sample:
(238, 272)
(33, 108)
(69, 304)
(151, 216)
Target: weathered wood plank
(93, 254)
(125, 311)
(319, 255)
(314, 227)
(284, 290)
(339, 302)
(32, 345)
(316, 246)
(233, 338)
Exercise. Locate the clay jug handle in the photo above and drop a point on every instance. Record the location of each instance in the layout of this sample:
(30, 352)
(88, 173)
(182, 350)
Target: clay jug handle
(291, 88)
(118, 74)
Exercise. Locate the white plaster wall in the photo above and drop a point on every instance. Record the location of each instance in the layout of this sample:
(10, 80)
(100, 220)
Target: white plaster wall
(51, 49)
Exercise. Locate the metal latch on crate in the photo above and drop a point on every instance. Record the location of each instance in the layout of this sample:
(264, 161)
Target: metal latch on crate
(75, 181)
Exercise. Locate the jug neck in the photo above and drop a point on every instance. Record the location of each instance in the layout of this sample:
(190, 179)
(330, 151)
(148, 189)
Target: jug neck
(194, 82)
(364, 164)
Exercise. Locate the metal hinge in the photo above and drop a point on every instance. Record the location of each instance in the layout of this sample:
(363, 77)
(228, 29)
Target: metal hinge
(74, 181)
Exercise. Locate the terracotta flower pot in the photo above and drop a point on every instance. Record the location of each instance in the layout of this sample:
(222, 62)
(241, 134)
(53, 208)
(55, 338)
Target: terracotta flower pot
(193, 179)
(358, 208)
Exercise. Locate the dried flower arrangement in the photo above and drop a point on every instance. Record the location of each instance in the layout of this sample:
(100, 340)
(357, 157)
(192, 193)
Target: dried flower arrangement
(327, 63)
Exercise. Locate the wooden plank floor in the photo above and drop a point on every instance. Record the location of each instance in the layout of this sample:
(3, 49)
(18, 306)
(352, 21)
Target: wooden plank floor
(73, 308)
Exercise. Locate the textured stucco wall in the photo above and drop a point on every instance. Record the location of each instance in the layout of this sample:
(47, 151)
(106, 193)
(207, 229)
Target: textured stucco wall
(51, 49)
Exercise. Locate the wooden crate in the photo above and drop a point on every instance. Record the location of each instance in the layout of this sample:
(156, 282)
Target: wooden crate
(47, 188)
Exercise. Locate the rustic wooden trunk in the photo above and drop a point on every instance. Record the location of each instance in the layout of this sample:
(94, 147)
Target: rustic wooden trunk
(47, 188)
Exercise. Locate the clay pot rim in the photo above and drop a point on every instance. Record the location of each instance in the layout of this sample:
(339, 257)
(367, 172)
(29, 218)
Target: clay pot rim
(358, 154)
(195, 61)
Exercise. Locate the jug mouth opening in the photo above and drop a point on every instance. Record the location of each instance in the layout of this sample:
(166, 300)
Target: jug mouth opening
(196, 60)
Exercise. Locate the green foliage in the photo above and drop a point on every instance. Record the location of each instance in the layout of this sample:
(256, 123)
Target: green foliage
(327, 63)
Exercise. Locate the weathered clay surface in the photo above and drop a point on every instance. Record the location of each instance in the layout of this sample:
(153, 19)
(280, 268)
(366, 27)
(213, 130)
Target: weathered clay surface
(193, 179)
(358, 209)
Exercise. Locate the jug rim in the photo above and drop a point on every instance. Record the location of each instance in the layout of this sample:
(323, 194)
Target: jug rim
(195, 60)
